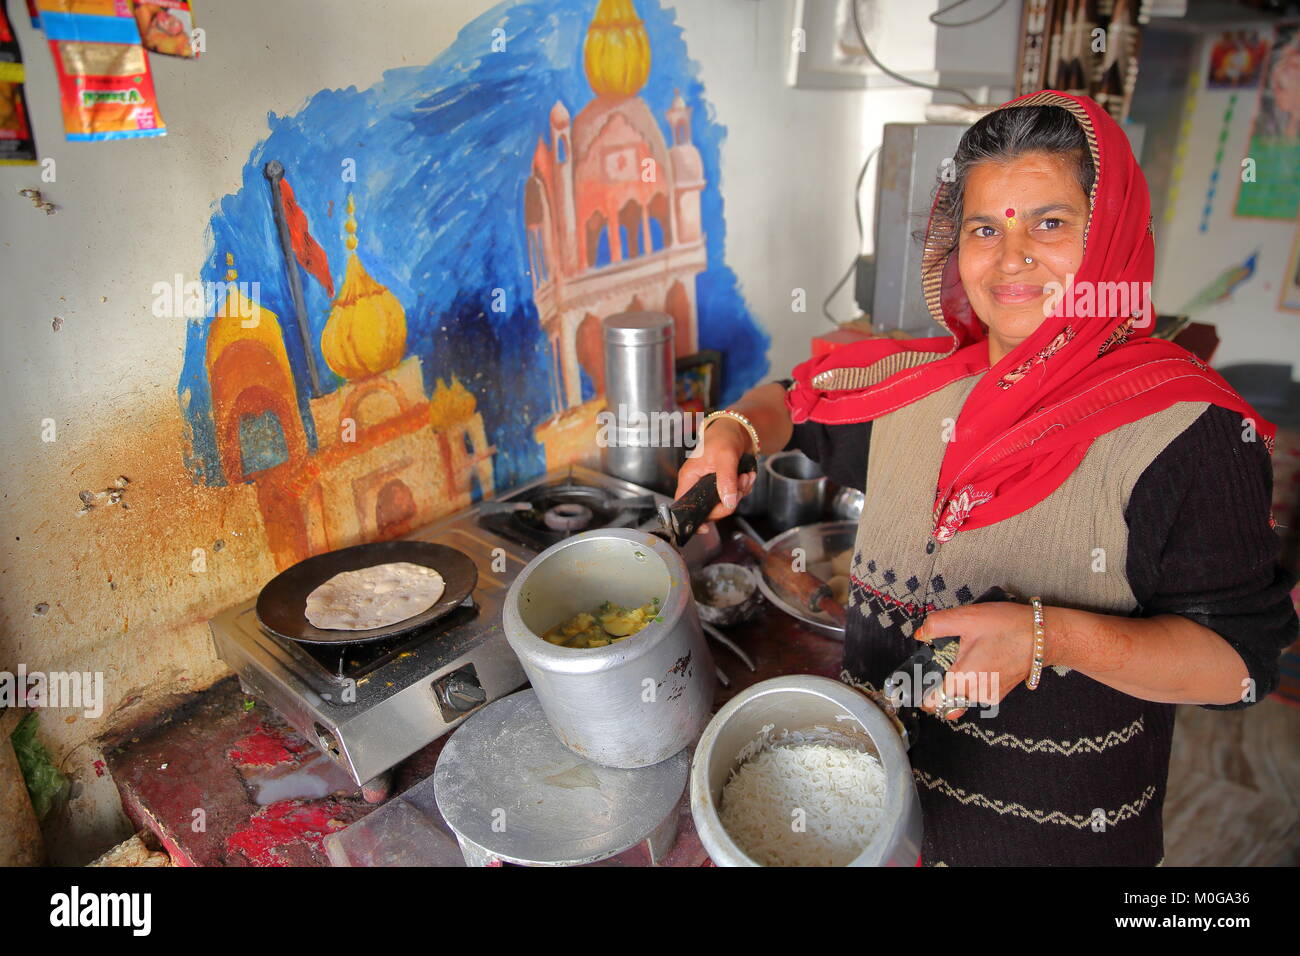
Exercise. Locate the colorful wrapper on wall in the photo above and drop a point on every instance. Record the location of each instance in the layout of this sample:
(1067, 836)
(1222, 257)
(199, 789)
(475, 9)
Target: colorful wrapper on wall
(105, 85)
(166, 26)
(17, 147)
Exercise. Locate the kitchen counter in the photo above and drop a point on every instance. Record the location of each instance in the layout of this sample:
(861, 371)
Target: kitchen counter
(196, 777)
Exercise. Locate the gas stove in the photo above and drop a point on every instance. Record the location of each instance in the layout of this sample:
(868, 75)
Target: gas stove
(369, 706)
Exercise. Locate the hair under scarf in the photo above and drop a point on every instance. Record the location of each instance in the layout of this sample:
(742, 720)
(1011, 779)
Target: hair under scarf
(1088, 369)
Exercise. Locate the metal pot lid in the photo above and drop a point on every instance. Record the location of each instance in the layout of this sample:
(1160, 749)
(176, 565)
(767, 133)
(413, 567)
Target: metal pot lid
(506, 766)
(282, 605)
(638, 328)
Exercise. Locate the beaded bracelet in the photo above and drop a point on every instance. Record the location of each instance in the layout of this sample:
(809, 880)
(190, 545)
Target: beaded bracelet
(1040, 645)
(735, 416)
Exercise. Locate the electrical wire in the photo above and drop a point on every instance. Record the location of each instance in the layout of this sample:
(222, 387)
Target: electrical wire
(857, 195)
(857, 215)
(934, 17)
(862, 38)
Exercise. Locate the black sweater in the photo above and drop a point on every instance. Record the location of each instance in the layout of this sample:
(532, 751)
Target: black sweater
(1199, 545)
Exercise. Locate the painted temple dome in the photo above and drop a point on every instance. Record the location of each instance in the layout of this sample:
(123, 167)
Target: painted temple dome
(241, 320)
(366, 331)
(616, 53)
(450, 404)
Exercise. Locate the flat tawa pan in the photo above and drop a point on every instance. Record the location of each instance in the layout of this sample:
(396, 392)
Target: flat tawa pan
(282, 605)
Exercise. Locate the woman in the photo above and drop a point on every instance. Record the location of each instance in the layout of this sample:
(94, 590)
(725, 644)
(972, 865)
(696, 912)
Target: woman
(1048, 446)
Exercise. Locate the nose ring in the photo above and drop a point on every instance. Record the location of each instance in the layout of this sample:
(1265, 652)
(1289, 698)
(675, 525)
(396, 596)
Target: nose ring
(1028, 261)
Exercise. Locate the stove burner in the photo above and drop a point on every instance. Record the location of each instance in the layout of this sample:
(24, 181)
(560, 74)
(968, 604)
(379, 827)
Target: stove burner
(567, 516)
(542, 516)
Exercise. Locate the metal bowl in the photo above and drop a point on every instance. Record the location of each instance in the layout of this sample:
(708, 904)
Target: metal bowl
(825, 709)
(820, 542)
(725, 594)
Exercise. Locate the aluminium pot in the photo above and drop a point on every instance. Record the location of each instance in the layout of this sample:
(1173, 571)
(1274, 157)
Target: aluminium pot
(632, 703)
(804, 704)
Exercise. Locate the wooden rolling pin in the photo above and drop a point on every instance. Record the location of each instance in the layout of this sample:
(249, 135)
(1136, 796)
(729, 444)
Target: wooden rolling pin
(804, 589)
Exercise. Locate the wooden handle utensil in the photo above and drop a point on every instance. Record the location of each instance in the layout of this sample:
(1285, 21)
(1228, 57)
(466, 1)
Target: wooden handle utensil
(804, 589)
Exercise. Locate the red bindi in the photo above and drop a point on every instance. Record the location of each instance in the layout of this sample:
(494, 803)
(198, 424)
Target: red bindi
(1011, 214)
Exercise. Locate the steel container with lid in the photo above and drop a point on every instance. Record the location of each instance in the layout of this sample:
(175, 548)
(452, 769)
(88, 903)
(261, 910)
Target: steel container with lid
(631, 703)
(646, 445)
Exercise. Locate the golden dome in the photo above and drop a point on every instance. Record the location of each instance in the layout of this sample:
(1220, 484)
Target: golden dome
(239, 319)
(616, 53)
(450, 404)
(366, 331)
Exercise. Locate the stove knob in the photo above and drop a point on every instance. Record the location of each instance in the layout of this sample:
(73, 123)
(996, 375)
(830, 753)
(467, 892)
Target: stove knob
(461, 693)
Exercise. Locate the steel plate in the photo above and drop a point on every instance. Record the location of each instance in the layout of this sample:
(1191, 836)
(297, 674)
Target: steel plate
(819, 543)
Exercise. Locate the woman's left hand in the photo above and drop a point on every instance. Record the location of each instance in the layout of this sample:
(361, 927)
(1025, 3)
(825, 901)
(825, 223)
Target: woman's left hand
(995, 654)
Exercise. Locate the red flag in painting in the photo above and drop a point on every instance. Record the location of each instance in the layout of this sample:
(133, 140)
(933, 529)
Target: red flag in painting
(309, 252)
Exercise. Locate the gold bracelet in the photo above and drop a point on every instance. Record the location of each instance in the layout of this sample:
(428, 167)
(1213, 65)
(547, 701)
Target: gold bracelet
(1040, 645)
(736, 417)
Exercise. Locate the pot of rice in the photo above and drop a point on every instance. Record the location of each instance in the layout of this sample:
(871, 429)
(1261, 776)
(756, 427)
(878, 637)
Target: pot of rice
(804, 771)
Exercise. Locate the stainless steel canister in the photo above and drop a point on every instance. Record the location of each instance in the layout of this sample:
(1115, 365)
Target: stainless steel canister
(796, 489)
(807, 705)
(632, 703)
(646, 445)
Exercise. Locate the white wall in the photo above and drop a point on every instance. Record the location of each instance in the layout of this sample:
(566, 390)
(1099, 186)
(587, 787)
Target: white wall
(1250, 326)
(790, 161)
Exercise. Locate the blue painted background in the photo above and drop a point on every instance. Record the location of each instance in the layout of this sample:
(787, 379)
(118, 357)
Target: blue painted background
(442, 154)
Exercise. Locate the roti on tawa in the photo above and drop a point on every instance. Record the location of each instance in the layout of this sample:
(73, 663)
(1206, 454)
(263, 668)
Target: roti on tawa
(373, 597)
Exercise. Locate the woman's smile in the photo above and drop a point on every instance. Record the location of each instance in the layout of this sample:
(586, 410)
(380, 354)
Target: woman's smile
(1016, 293)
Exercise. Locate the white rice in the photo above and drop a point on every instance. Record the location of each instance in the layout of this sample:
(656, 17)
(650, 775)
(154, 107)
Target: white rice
(839, 790)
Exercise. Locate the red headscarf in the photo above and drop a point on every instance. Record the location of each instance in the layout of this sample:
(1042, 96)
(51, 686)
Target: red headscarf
(1091, 367)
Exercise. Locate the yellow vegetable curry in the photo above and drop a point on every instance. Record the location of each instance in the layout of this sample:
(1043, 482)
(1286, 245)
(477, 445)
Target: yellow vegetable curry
(604, 625)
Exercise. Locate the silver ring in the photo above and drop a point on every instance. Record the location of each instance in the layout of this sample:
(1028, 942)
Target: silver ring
(949, 704)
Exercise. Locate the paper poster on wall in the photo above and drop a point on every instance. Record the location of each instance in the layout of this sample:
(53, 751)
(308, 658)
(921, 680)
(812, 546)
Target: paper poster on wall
(17, 147)
(1272, 190)
(1236, 60)
(1290, 297)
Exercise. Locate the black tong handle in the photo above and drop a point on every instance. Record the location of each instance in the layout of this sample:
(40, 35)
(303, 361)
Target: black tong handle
(911, 680)
(684, 516)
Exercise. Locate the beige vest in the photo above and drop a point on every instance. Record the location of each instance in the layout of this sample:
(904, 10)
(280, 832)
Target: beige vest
(1070, 549)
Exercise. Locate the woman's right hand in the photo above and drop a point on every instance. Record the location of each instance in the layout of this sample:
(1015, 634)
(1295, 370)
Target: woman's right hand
(721, 446)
